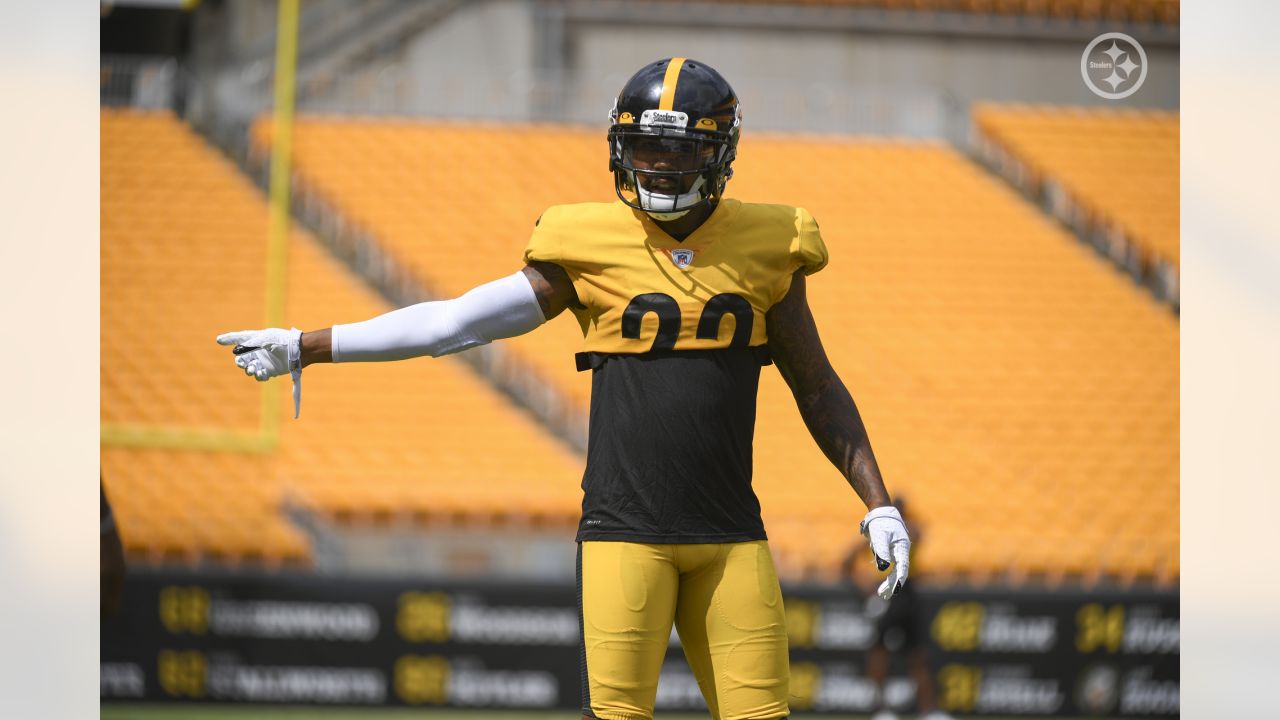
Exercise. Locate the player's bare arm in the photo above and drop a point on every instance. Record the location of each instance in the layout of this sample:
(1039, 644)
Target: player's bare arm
(317, 347)
(833, 419)
(552, 286)
(825, 403)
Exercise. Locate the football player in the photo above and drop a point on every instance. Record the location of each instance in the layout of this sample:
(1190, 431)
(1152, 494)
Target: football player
(682, 295)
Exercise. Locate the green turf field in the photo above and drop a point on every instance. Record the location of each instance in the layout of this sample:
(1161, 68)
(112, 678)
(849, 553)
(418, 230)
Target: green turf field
(263, 712)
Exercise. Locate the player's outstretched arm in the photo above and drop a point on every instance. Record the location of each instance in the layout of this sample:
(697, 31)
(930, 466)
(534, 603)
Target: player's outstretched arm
(504, 308)
(833, 419)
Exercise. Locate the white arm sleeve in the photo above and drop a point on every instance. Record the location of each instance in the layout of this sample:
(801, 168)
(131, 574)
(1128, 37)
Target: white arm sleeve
(500, 309)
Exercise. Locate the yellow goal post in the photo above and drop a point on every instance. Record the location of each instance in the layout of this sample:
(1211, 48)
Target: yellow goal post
(268, 433)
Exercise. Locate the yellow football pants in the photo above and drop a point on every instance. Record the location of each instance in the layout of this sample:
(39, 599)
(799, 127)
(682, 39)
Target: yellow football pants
(726, 604)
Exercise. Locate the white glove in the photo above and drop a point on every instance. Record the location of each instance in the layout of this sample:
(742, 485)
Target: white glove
(264, 354)
(884, 529)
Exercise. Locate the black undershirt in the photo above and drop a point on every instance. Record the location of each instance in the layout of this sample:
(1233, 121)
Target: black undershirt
(670, 447)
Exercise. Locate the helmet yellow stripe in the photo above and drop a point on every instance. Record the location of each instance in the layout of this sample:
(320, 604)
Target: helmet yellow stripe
(668, 99)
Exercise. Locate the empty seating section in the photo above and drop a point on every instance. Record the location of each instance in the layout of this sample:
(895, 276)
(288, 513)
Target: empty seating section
(455, 202)
(183, 238)
(189, 507)
(1022, 392)
(182, 254)
(1002, 370)
(180, 231)
(1119, 166)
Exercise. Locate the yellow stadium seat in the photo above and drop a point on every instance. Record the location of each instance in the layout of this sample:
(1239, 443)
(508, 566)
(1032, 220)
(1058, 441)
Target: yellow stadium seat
(1120, 166)
(183, 255)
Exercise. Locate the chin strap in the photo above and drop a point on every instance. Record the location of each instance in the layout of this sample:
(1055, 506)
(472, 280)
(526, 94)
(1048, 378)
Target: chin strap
(651, 201)
(666, 217)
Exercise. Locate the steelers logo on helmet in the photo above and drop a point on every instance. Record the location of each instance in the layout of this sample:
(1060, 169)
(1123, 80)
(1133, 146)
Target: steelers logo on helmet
(673, 137)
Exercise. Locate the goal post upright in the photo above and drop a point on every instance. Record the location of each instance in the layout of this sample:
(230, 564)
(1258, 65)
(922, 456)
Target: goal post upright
(266, 438)
(279, 190)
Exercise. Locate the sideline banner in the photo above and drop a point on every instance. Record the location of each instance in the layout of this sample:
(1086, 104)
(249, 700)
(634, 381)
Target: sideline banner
(304, 639)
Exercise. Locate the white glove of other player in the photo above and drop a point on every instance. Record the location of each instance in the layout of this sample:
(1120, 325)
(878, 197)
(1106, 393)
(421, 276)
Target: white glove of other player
(264, 354)
(884, 529)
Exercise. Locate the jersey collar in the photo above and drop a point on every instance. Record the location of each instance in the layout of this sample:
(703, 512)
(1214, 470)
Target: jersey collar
(703, 236)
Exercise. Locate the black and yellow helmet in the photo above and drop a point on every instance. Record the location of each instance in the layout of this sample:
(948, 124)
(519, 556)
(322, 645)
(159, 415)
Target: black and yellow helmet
(673, 137)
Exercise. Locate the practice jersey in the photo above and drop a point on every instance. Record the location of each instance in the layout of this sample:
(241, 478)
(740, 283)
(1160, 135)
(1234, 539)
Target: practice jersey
(674, 334)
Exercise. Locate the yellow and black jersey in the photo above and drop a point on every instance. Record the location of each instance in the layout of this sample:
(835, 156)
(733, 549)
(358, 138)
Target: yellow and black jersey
(643, 290)
(675, 336)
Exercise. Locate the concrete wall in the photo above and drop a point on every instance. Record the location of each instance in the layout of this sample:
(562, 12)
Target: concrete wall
(851, 82)
(475, 63)
(565, 60)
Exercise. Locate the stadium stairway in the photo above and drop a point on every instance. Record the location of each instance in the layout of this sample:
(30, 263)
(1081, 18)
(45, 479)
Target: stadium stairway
(1021, 391)
(183, 259)
(1110, 174)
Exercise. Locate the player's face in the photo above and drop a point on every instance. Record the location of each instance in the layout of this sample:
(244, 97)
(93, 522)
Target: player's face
(667, 154)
